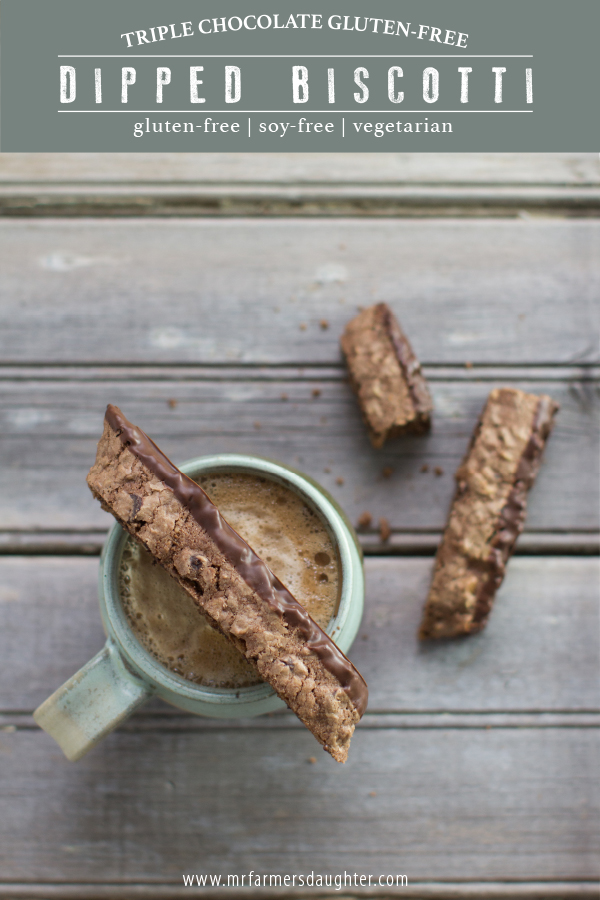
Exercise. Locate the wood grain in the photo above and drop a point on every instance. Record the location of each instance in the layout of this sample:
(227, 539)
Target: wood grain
(255, 292)
(543, 169)
(512, 804)
(523, 661)
(157, 716)
(49, 431)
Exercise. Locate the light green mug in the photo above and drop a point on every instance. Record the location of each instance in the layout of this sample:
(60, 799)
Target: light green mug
(124, 675)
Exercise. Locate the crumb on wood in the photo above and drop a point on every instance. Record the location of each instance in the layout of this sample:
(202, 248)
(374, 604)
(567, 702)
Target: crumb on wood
(312, 760)
(324, 323)
(424, 468)
(302, 326)
(316, 392)
(365, 519)
(342, 247)
(384, 530)
(372, 793)
(327, 470)
(468, 365)
(257, 426)
(284, 397)
(172, 403)
(438, 470)
(365, 637)
(387, 471)
(339, 480)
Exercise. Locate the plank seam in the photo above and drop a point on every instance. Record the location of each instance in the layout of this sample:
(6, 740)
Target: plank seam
(298, 200)
(44, 543)
(165, 722)
(258, 372)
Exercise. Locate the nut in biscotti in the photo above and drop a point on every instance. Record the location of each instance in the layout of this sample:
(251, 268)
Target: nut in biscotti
(173, 518)
(488, 511)
(385, 375)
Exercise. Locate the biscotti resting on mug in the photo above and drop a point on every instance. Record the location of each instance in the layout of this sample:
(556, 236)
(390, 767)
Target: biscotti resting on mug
(488, 511)
(175, 520)
(385, 375)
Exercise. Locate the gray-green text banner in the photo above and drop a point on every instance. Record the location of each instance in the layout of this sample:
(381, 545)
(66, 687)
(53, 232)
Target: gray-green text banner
(260, 75)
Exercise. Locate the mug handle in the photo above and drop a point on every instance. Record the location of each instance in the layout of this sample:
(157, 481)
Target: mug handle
(91, 703)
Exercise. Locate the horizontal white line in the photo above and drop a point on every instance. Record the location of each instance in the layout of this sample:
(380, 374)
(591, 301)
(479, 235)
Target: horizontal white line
(294, 55)
(268, 111)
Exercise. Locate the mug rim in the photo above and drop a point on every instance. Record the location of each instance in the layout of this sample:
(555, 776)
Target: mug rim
(142, 661)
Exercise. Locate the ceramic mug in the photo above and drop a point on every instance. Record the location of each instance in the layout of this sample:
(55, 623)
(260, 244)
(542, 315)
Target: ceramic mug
(124, 675)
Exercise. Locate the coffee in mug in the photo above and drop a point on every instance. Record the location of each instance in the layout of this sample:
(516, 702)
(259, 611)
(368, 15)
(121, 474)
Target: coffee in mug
(282, 529)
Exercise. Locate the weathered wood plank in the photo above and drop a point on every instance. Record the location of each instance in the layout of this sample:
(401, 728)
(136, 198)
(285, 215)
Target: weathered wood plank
(539, 651)
(49, 431)
(493, 804)
(221, 292)
(158, 716)
(556, 169)
(298, 184)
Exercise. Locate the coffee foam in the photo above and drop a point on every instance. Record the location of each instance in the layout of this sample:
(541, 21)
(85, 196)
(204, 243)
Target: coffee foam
(284, 532)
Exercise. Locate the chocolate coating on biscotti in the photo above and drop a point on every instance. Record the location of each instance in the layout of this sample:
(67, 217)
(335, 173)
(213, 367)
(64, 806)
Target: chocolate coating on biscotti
(177, 522)
(385, 375)
(488, 511)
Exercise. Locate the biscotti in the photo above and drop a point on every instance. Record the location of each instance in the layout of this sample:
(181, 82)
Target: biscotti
(174, 519)
(385, 375)
(488, 511)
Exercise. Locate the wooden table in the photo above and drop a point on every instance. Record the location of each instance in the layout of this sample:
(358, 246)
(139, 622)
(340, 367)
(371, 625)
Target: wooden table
(190, 291)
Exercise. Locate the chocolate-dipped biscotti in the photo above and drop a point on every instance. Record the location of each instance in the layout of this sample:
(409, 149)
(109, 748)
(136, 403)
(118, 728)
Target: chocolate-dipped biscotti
(488, 511)
(175, 520)
(385, 375)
